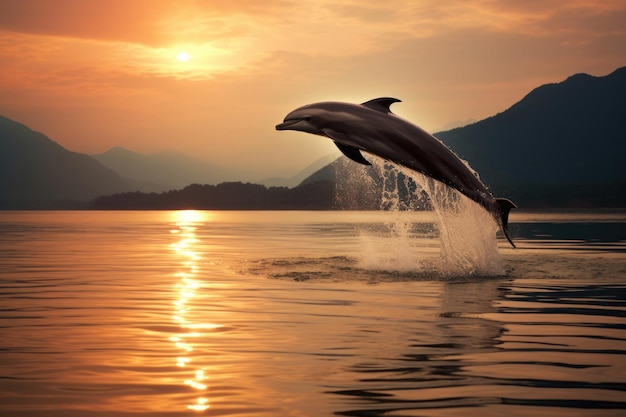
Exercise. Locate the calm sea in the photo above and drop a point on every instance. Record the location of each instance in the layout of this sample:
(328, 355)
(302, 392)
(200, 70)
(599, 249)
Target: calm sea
(189, 313)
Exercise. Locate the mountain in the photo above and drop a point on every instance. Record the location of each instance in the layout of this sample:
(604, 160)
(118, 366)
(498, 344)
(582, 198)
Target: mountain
(225, 196)
(162, 171)
(563, 145)
(563, 142)
(168, 170)
(456, 124)
(301, 176)
(36, 172)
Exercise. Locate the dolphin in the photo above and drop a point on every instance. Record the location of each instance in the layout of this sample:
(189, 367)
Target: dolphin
(372, 127)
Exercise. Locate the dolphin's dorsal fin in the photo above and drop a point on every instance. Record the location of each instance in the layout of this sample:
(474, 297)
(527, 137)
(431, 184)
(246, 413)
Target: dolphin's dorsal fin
(381, 104)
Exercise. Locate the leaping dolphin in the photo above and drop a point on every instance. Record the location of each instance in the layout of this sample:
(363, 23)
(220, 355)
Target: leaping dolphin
(372, 127)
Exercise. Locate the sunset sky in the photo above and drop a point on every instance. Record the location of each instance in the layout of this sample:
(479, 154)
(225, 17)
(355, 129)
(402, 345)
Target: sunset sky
(210, 79)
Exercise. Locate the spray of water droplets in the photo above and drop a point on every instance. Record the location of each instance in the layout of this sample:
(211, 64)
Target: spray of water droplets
(460, 241)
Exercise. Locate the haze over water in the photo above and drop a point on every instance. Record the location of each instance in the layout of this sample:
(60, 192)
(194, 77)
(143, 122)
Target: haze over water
(276, 314)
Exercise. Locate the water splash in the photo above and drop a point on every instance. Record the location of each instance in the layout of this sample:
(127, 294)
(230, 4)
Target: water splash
(466, 233)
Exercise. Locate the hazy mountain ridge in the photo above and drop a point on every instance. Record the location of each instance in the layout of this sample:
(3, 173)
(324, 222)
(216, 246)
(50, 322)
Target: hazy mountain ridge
(162, 171)
(562, 145)
(36, 172)
(166, 171)
(299, 177)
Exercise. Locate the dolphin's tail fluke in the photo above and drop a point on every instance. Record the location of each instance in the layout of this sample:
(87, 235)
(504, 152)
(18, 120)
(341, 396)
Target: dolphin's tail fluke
(503, 206)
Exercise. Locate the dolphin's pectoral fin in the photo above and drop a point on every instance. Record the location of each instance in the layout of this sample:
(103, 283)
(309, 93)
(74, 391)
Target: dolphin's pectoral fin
(352, 153)
(381, 104)
(348, 150)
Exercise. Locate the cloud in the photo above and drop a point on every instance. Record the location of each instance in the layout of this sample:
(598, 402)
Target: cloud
(105, 20)
(137, 21)
(235, 33)
(97, 74)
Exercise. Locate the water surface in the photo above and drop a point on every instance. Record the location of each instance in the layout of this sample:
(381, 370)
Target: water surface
(307, 314)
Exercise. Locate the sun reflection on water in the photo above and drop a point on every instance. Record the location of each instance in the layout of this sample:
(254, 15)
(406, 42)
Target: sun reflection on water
(187, 222)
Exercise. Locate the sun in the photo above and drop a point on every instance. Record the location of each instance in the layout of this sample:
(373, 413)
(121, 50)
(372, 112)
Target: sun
(183, 56)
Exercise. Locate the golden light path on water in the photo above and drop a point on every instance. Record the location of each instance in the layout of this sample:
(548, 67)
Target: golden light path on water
(186, 288)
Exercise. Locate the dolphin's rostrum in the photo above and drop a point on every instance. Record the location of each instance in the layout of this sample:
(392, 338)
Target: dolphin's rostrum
(372, 127)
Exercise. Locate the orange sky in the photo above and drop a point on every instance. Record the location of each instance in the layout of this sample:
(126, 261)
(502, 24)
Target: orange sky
(96, 74)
